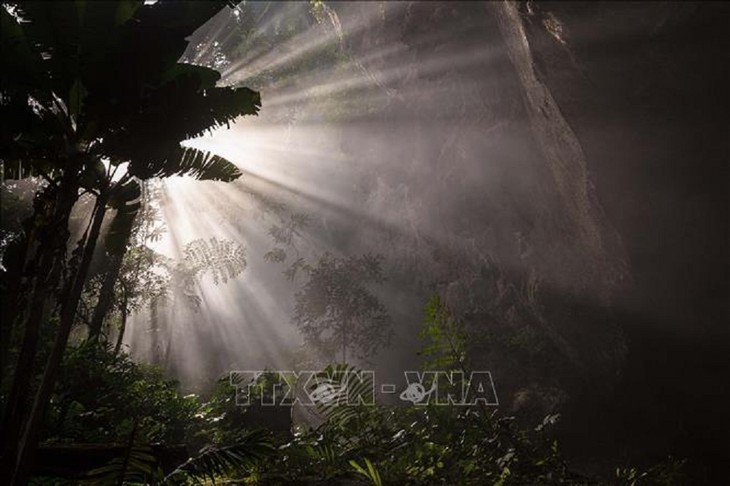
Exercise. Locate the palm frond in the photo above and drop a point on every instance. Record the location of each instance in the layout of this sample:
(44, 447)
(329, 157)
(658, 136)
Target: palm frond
(221, 259)
(214, 462)
(185, 108)
(140, 467)
(206, 166)
(369, 471)
(171, 161)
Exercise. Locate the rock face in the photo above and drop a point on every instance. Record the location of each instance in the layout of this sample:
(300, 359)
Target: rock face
(645, 87)
(472, 160)
(563, 155)
(559, 172)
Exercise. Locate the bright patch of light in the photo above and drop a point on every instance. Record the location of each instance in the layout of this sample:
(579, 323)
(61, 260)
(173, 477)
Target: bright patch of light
(295, 151)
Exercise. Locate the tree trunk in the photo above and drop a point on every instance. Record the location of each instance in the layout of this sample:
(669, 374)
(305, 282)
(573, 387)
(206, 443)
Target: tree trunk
(156, 351)
(13, 417)
(31, 435)
(128, 453)
(13, 296)
(122, 327)
(52, 239)
(106, 296)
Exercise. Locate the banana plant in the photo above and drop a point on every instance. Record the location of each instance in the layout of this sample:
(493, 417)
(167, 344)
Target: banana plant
(93, 99)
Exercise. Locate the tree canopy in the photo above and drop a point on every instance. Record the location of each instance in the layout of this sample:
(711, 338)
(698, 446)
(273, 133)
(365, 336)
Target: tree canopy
(93, 99)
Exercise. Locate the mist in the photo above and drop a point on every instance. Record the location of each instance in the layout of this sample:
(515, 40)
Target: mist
(555, 172)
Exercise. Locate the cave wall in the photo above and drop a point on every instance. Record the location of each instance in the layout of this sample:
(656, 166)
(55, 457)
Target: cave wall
(644, 85)
(586, 151)
(490, 200)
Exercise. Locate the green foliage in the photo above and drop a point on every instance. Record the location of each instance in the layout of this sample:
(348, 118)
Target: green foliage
(317, 10)
(369, 471)
(16, 205)
(419, 445)
(335, 309)
(101, 395)
(224, 422)
(666, 473)
(138, 465)
(70, 115)
(446, 338)
(366, 442)
(67, 59)
(147, 276)
(222, 418)
(240, 458)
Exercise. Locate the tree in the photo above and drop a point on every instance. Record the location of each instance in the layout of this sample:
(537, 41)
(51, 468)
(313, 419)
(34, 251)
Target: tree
(136, 275)
(127, 278)
(69, 114)
(335, 309)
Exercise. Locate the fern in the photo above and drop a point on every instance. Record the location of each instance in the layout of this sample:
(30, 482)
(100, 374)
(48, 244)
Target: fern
(221, 259)
(445, 335)
(213, 462)
(139, 466)
(369, 471)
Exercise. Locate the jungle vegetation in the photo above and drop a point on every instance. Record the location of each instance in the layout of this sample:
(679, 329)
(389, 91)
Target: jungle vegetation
(96, 102)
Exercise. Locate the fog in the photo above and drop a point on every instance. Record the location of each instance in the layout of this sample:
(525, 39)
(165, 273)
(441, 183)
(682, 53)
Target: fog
(515, 161)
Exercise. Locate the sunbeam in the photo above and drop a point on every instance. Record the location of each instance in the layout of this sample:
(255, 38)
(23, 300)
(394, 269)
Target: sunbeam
(300, 150)
(287, 242)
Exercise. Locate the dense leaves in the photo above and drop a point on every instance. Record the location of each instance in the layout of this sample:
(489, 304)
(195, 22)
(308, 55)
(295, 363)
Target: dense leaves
(67, 91)
(95, 100)
(445, 336)
(335, 309)
(104, 397)
(217, 461)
